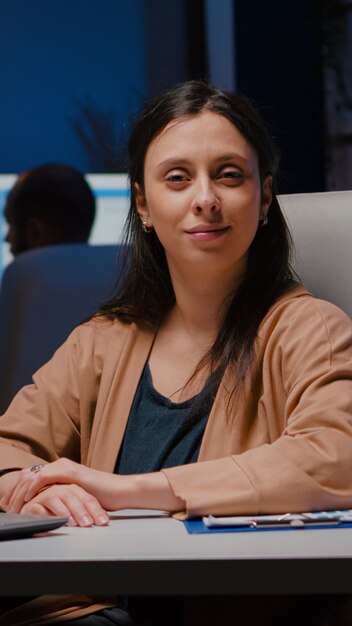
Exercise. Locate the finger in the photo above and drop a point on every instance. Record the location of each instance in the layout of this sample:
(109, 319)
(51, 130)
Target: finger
(65, 499)
(62, 471)
(5, 500)
(34, 508)
(51, 501)
(30, 483)
(84, 508)
(95, 510)
(11, 489)
(15, 497)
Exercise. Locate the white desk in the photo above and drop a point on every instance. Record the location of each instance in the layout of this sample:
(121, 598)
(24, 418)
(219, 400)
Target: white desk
(157, 556)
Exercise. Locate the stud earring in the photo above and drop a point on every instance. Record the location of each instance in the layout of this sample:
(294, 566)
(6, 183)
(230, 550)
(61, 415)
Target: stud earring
(145, 228)
(264, 221)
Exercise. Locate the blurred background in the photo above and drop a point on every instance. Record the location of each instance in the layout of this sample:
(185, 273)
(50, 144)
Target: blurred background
(74, 73)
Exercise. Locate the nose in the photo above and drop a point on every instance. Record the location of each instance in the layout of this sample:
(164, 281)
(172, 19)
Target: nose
(205, 199)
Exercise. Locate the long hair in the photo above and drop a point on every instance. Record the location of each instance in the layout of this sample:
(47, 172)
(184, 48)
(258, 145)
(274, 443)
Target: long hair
(147, 293)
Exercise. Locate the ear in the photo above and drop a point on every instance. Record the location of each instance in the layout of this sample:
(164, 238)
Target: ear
(141, 203)
(267, 196)
(38, 233)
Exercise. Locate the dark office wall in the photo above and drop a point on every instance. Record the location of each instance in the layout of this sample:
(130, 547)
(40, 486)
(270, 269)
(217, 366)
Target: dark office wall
(165, 39)
(114, 54)
(175, 43)
(55, 56)
(279, 66)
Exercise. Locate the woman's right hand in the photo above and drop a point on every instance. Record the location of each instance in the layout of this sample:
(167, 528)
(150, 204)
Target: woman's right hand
(65, 480)
(8, 483)
(67, 500)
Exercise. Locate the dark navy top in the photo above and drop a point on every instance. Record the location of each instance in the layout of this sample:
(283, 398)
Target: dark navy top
(159, 433)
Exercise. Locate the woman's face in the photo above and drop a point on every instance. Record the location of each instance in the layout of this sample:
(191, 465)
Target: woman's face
(202, 194)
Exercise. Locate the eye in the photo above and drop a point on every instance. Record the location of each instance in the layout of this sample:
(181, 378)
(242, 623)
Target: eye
(177, 178)
(231, 174)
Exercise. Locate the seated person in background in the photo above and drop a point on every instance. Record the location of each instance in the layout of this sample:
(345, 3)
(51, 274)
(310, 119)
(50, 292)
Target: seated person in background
(50, 204)
(213, 382)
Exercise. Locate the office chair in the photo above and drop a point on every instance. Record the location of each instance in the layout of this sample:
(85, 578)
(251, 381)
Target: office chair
(321, 227)
(44, 294)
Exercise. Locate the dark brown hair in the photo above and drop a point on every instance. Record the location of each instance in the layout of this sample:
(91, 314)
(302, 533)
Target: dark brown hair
(59, 195)
(147, 293)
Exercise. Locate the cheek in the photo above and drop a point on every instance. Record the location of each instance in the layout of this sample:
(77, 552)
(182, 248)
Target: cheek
(245, 208)
(165, 207)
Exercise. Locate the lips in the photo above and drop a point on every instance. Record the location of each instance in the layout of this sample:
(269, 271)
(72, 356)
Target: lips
(207, 233)
(206, 228)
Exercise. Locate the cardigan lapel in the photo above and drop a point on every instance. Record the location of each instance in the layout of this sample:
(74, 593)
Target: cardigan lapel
(122, 370)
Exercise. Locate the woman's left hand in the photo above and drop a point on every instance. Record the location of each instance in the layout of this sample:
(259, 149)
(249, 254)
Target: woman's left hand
(113, 491)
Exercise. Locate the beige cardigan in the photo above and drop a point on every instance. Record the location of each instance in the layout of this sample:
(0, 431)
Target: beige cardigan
(286, 446)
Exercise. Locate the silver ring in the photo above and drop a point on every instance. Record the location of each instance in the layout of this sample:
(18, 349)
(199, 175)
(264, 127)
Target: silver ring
(37, 468)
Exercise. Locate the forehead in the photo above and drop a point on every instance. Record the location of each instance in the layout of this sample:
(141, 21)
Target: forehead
(205, 134)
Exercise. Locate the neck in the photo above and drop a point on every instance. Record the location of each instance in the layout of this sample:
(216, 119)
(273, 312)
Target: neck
(201, 301)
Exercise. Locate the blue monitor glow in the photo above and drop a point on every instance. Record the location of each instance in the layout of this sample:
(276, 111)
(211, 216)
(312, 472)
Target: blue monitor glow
(112, 198)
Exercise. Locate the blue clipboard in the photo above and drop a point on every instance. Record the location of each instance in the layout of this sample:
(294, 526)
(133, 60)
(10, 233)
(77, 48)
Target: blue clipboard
(262, 523)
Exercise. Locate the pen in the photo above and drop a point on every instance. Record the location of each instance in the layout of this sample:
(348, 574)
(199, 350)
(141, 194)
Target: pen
(295, 523)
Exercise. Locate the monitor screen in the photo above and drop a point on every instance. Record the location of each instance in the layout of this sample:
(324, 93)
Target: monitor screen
(112, 202)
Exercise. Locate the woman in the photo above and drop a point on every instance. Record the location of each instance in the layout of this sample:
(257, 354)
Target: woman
(212, 348)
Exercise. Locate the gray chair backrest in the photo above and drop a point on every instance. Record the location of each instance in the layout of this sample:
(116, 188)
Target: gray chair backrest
(321, 227)
(44, 294)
